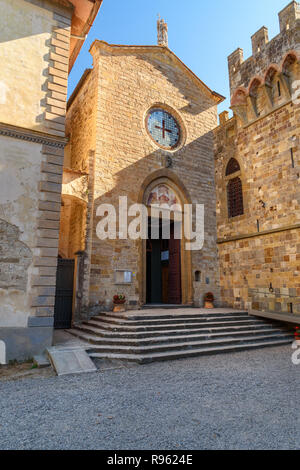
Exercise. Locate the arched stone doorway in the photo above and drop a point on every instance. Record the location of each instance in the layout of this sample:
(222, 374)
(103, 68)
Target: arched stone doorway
(166, 264)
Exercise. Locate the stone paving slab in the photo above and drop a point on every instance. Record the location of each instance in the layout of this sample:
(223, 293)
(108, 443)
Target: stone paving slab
(70, 361)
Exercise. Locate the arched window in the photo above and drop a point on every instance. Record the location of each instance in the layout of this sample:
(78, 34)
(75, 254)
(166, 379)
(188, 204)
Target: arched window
(273, 85)
(288, 70)
(232, 167)
(234, 190)
(254, 96)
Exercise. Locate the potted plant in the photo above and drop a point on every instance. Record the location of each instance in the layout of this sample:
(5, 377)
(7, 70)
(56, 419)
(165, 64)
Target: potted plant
(209, 300)
(119, 301)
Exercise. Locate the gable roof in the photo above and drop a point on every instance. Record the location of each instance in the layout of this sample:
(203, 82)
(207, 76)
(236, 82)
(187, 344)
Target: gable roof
(162, 50)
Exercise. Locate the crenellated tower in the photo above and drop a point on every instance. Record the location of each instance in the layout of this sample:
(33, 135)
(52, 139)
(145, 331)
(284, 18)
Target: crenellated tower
(265, 52)
(257, 162)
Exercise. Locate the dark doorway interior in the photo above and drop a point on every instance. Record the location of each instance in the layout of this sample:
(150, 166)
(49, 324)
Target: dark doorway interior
(64, 293)
(163, 268)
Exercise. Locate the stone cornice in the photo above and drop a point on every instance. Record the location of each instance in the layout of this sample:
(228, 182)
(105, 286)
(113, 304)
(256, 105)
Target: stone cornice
(31, 136)
(258, 234)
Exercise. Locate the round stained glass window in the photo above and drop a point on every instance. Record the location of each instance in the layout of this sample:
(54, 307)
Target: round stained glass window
(163, 128)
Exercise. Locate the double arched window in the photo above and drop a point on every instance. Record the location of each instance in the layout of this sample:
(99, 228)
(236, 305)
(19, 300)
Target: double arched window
(234, 189)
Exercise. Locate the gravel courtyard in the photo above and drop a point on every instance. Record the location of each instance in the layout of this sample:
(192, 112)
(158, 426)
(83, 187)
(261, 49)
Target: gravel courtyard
(247, 400)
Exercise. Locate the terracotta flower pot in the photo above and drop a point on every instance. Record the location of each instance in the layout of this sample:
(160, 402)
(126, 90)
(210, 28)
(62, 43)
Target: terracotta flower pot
(119, 307)
(119, 303)
(209, 300)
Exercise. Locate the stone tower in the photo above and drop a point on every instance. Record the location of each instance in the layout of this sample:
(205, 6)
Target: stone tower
(257, 164)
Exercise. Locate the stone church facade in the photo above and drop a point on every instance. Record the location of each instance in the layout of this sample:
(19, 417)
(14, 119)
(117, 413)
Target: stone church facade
(255, 160)
(140, 125)
(111, 154)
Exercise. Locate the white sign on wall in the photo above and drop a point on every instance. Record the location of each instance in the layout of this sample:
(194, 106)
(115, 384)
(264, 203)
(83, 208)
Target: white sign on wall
(2, 352)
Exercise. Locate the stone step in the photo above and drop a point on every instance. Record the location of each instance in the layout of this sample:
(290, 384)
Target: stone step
(172, 325)
(181, 354)
(89, 336)
(164, 306)
(173, 319)
(146, 316)
(149, 337)
(98, 331)
(169, 347)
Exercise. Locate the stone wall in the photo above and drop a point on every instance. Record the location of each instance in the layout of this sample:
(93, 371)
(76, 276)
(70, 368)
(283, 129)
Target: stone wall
(266, 52)
(259, 250)
(34, 55)
(129, 82)
(34, 39)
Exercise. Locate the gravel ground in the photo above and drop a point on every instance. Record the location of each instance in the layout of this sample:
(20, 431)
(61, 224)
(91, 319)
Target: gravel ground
(247, 400)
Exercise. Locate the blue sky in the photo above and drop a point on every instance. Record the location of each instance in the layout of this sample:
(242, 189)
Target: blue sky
(201, 33)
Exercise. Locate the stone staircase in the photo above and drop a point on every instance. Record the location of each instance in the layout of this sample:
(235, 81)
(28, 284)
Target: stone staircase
(146, 336)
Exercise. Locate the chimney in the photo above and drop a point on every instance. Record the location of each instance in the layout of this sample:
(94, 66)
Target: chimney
(162, 32)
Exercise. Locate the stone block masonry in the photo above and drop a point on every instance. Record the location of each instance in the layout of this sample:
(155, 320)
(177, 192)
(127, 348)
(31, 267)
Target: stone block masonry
(112, 101)
(259, 249)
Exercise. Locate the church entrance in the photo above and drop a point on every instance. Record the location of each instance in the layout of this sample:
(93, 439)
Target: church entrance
(163, 261)
(166, 264)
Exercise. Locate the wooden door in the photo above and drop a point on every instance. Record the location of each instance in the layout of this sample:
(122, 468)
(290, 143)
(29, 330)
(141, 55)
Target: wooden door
(174, 270)
(156, 291)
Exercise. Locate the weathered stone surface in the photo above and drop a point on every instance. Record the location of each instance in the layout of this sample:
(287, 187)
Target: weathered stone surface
(260, 267)
(15, 258)
(106, 115)
(265, 52)
(28, 29)
(70, 361)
